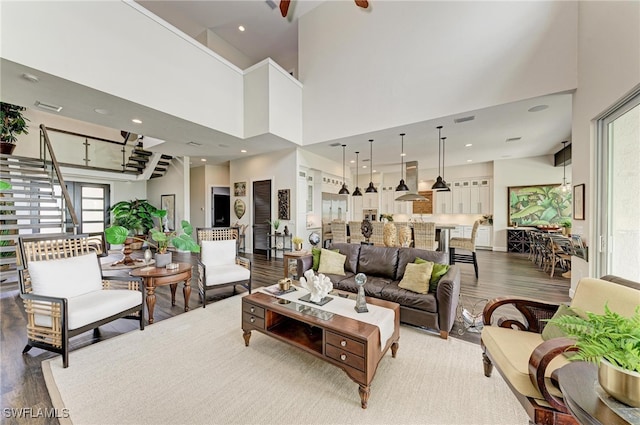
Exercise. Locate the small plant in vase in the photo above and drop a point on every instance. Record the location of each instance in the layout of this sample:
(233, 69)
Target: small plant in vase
(275, 224)
(565, 223)
(612, 341)
(297, 243)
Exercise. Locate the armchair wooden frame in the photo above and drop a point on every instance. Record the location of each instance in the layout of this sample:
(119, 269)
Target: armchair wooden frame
(534, 313)
(55, 338)
(218, 234)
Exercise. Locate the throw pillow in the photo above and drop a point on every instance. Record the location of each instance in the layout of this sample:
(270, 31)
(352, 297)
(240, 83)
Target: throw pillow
(416, 277)
(331, 262)
(438, 271)
(551, 331)
(315, 252)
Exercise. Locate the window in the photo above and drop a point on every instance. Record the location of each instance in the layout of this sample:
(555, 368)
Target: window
(618, 177)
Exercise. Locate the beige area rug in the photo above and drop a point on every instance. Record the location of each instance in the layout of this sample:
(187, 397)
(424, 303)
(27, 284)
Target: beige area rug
(195, 369)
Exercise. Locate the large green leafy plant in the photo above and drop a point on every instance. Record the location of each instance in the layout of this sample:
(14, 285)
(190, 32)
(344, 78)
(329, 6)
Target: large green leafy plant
(184, 242)
(136, 215)
(609, 336)
(13, 122)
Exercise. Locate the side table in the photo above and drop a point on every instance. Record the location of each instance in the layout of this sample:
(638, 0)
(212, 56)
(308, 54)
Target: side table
(577, 380)
(292, 255)
(158, 276)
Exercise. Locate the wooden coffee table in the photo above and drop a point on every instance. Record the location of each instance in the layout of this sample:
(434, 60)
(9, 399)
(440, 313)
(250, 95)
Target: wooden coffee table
(352, 345)
(158, 276)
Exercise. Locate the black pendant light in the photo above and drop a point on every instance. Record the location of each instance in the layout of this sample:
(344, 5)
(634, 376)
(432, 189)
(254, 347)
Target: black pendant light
(446, 186)
(439, 184)
(371, 188)
(356, 191)
(343, 189)
(402, 187)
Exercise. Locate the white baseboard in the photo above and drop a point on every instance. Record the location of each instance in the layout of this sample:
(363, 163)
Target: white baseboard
(500, 248)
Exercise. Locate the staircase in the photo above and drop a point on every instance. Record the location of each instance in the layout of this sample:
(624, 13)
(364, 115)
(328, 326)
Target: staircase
(140, 159)
(30, 206)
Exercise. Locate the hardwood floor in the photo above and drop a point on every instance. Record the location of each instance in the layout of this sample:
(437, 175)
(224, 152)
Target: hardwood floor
(23, 386)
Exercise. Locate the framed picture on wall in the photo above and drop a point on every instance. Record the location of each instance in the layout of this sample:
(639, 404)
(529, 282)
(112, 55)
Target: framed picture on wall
(168, 203)
(538, 205)
(240, 189)
(283, 204)
(578, 202)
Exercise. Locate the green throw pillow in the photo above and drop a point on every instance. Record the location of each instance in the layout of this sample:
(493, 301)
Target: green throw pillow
(416, 277)
(551, 331)
(315, 252)
(438, 271)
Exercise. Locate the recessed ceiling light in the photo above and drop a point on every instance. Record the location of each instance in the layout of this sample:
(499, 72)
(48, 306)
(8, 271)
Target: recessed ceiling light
(30, 77)
(241, 28)
(464, 119)
(468, 145)
(538, 108)
(243, 151)
(403, 154)
(102, 111)
(136, 121)
(203, 159)
(48, 106)
(352, 161)
(469, 160)
(373, 171)
(364, 166)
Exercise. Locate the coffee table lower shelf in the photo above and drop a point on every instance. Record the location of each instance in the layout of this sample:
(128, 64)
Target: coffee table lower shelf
(352, 345)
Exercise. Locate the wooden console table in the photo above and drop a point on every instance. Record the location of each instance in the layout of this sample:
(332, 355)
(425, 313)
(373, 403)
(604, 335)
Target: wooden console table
(352, 345)
(158, 276)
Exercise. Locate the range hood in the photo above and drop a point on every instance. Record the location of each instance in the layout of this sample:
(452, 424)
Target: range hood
(411, 180)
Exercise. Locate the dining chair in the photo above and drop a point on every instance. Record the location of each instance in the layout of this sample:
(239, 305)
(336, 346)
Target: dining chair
(424, 235)
(339, 232)
(465, 244)
(355, 233)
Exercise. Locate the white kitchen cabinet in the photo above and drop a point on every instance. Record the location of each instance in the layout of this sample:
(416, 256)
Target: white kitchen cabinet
(461, 193)
(484, 237)
(443, 202)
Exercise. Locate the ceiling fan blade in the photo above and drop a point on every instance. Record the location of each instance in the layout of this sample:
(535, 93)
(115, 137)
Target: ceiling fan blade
(284, 7)
(362, 3)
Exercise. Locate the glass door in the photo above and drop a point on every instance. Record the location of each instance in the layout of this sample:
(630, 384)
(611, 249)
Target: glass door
(618, 173)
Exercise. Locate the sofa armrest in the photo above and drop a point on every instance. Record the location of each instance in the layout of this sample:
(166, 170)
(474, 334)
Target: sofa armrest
(538, 363)
(303, 264)
(447, 296)
(534, 312)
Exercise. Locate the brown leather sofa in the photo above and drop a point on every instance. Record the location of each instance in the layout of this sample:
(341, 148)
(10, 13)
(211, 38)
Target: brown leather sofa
(384, 268)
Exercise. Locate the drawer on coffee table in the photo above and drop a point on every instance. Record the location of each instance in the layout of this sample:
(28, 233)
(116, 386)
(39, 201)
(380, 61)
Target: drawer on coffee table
(250, 320)
(345, 343)
(344, 357)
(253, 310)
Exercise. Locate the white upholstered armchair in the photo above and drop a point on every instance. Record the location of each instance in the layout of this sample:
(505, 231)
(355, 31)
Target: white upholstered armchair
(219, 264)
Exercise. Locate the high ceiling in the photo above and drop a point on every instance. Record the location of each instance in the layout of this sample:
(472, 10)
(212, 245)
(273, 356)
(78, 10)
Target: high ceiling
(269, 35)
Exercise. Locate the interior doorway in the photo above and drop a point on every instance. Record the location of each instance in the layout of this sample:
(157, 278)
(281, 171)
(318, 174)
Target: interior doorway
(261, 213)
(220, 207)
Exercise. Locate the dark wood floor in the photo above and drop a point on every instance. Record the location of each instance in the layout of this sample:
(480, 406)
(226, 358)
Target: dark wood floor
(501, 274)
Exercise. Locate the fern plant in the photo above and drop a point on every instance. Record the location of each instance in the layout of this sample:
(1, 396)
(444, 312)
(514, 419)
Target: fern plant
(609, 336)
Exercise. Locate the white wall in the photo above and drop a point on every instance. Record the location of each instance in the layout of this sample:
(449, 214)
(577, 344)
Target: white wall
(176, 181)
(608, 68)
(198, 197)
(281, 168)
(518, 172)
(120, 48)
(406, 61)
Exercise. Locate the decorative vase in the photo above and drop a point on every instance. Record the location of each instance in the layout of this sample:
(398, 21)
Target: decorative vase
(297, 246)
(7, 148)
(126, 251)
(621, 384)
(404, 236)
(390, 234)
(163, 259)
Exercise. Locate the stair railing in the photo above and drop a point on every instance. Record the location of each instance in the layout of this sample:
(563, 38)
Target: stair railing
(55, 168)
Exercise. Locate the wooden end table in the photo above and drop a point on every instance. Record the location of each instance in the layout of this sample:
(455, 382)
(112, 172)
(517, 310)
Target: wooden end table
(159, 276)
(292, 255)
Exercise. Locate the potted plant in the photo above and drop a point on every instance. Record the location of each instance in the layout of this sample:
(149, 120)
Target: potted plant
(565, 223)
(613, 342)
(13, 124)
(275, 224)
(184, 242)
(297, 243)
(137, 216)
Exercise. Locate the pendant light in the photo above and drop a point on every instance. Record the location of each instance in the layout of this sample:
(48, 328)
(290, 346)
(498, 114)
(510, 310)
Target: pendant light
(402, 187)
(565, 185)
(446, 186)
(439, 184)
(371, 188)
(343, 190)
(356, 191)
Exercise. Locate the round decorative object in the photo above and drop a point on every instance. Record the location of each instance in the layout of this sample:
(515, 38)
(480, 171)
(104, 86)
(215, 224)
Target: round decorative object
(361, 279)
(366, 228)
(239, 208)
(314, 238)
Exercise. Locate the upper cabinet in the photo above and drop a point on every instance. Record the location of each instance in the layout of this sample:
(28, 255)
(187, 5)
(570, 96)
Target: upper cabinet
(469, 196)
